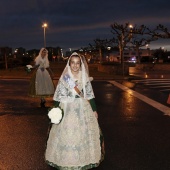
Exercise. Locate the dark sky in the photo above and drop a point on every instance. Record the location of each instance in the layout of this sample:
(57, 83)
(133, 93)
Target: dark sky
(75, 23)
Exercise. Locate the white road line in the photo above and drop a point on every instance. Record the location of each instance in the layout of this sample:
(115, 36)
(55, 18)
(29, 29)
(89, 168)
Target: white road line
(160, 86)
(153, 103)
(165, 90)
(156, 83)
(160, 80)
(151, 81)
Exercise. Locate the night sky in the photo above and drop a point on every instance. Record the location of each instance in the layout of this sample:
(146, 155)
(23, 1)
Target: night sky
(75, 23)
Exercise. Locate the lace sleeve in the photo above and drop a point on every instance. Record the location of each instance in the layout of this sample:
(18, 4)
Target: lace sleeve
(89, 91)
(60, 92)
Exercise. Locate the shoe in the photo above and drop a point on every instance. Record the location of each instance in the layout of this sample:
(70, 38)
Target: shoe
(42, 104)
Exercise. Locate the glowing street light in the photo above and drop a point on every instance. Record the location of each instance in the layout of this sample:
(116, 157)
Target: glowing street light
(130, 26)
(108, 48)
(44, 26)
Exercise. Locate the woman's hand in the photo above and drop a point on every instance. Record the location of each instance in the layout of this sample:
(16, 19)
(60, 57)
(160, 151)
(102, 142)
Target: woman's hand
(96, 115)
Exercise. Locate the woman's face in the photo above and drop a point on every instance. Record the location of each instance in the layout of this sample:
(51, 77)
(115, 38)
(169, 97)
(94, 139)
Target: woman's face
(43, 54)
(75, 64)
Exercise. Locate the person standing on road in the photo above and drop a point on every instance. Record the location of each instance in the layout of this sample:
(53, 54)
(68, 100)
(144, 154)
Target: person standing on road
(41, 84)
(76, 142)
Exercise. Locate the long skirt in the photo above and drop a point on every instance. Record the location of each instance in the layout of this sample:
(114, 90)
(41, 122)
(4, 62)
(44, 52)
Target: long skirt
(41, 84)
(76, 143)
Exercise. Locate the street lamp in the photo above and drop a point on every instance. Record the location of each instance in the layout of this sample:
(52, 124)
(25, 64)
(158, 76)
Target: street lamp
(44, 26)
(124, 42)
(108, 48)
(130, 26)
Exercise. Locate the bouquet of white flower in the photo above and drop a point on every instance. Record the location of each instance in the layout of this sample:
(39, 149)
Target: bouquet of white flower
(56, 115)
(28, 68)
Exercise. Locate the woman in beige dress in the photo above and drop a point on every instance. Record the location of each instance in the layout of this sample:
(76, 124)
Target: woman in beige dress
(76, 143)
(41, 84)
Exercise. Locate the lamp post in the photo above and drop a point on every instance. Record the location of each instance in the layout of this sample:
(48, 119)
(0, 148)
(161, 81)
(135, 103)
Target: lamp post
(44, 26)
(124, 42)
(108, 56)
(131, 27)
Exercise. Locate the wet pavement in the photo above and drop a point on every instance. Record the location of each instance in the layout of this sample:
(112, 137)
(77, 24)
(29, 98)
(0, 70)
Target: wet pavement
(137, 136)
(153, 74)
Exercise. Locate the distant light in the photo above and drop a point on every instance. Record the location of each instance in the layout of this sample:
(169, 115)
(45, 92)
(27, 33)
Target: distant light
(45, 25)
(108, 48)
(132, 59)
(130, 26)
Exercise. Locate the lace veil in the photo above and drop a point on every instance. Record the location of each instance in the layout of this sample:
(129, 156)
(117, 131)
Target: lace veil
(39, 60)
(68, 81)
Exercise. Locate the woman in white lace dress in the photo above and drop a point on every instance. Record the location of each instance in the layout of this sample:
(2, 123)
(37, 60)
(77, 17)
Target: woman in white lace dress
(76, 143)
(41, 84)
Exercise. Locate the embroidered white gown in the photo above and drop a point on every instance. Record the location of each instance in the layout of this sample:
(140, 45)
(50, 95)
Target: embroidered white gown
(74, 144)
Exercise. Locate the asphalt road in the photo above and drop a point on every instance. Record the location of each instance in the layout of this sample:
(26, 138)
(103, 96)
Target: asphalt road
(137, 135)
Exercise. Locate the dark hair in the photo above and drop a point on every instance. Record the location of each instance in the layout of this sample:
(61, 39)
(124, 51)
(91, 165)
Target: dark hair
(75, 56)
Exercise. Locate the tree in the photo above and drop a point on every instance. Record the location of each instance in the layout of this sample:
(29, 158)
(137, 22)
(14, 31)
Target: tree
(5, 51)
(101, 44)
(160, 54)
(141, 37)
(122, 35)
(132, 37)
(161, 31)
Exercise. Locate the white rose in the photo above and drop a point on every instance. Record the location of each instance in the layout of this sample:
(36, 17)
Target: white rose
(55, 115)
(29, 66)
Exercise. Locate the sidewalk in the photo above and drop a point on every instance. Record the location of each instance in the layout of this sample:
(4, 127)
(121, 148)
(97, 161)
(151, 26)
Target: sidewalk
(134, 73)
(20, 73)
(152, 74)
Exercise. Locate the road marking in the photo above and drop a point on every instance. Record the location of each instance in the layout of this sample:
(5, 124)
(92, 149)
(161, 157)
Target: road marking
(152, 80)
(155, 104)
(153, 84)
(165, 90)
(160, 86)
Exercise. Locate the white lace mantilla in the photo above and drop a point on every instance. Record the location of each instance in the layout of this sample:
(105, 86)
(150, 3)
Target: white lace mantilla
(64, 93)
